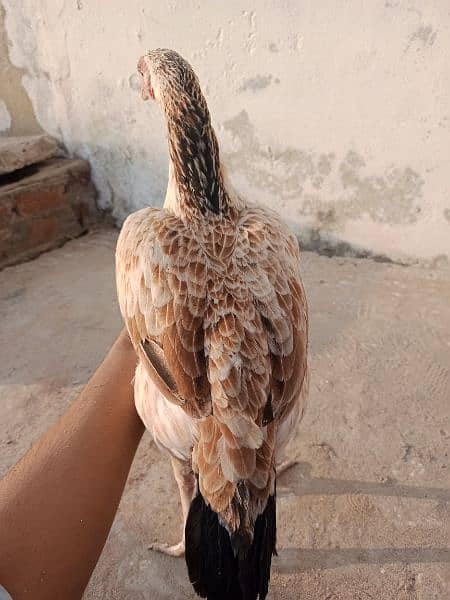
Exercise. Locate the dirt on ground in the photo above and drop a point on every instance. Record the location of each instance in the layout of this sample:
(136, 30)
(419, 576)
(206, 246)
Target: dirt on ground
(366, 512)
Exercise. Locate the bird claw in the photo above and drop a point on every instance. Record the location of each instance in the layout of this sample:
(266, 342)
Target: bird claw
(286, 465)
(175, 550)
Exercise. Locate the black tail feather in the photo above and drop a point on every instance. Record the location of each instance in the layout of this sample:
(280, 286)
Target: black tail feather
(214, 570)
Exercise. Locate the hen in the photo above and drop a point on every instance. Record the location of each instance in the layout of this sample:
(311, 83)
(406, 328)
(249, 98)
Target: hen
(210, 290)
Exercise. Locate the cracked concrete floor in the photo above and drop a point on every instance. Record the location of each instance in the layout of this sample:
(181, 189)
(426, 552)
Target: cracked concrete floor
(365, 514)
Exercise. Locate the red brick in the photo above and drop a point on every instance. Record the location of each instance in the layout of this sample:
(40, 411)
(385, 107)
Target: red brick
(43, 231)
(5, 215)
(39, 201)
(45, 209)
(5, 241)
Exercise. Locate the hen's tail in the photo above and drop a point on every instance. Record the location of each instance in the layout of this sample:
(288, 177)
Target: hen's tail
(224, 567)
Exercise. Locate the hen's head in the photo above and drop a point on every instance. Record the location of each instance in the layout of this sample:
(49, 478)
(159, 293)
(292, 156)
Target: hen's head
(165, 75)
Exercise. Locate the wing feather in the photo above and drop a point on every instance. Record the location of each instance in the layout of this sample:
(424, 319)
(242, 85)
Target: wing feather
(162, 299)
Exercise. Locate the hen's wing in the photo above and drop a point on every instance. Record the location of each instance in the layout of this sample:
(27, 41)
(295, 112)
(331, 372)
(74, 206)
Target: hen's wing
(161, 281)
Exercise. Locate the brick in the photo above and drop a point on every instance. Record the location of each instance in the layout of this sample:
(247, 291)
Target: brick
(44, 209)
(43, 231)
(39, 201)
(5, 238)
(14, 238)
(6, 215)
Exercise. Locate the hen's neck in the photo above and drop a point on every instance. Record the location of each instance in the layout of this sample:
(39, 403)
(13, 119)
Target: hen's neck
(196, 185)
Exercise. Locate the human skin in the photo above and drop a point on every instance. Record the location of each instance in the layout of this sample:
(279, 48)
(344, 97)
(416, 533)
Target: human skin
(58, 503)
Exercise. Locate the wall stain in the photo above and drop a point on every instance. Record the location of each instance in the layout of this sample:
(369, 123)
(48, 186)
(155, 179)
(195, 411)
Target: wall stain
(259, 82)
(401, 6)
(313, 239)
(421, 37)
(328, 190)
(440, 261)
(393, 197)
(447, 214)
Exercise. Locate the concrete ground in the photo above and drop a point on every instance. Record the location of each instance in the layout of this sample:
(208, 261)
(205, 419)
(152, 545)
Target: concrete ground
(366, 512)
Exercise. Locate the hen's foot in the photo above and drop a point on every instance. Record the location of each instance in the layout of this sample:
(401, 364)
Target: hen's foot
(286, 465)
(175, 550)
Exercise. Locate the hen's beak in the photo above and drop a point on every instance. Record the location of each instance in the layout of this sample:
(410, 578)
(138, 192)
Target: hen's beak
(146, 86)
(146, 89)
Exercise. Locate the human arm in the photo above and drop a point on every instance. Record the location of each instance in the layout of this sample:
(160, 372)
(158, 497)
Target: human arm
(58, 503)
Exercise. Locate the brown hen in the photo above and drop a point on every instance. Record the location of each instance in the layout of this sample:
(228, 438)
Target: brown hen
(210, 290)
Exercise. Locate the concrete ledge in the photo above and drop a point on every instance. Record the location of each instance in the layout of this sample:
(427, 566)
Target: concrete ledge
(18, 152)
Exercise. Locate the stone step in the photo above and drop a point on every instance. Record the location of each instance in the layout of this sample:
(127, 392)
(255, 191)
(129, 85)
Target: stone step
(47, 205)
(18, 152)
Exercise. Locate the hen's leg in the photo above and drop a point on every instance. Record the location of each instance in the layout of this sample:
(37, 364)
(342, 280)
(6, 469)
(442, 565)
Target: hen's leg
(185, 479)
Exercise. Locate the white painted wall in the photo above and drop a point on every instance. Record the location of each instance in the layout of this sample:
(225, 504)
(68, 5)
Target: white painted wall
(337, 113)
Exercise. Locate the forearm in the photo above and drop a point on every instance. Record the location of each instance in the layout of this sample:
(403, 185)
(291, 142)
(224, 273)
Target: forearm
(57, 505)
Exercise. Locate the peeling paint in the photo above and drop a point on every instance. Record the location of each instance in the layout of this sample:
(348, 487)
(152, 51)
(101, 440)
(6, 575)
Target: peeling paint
(254, 84)
(250, 44)
(298, 43)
